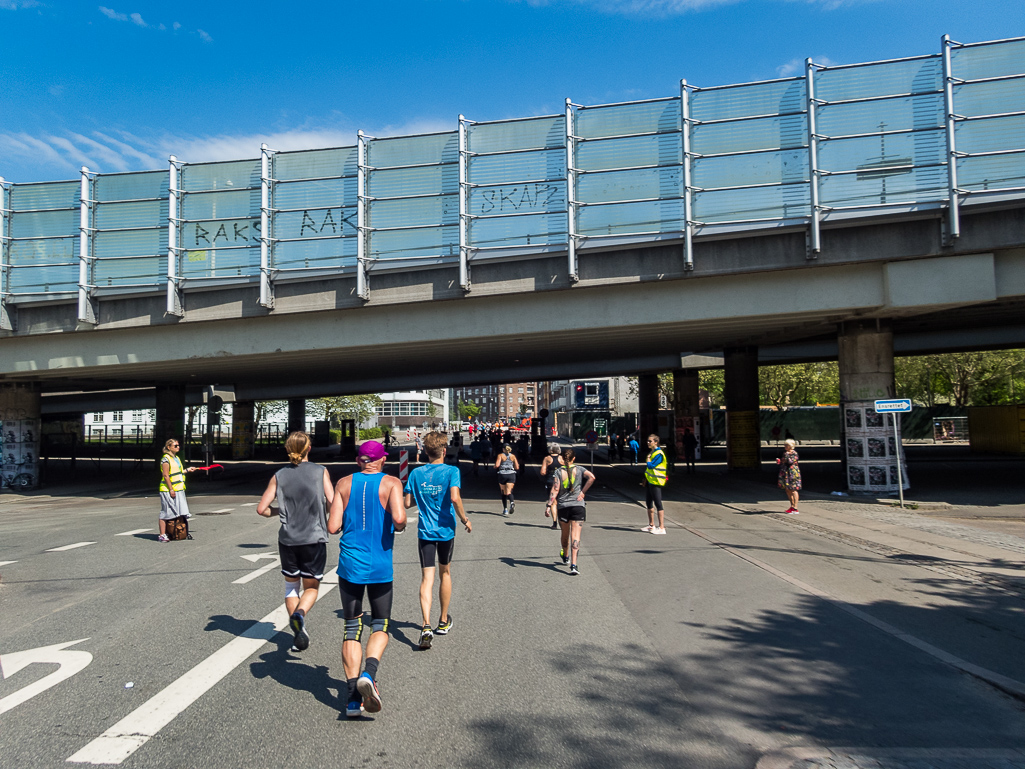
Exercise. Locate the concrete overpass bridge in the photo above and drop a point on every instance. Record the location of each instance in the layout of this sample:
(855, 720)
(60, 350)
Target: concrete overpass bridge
(848, 213)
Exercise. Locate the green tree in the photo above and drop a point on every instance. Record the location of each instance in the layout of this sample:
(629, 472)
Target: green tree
(267, 411)
(468, 410)
(356, 407)
(713, 381)
(798, 384)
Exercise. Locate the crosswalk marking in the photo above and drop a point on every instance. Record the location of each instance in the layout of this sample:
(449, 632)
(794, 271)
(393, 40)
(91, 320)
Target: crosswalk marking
(133, 531)
(6, 563)
(69, 547)
(135, 730)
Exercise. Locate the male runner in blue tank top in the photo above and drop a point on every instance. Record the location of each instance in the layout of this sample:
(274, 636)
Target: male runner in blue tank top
(368, 510)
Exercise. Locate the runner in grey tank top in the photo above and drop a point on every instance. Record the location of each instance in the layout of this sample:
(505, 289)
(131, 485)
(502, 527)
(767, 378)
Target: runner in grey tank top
(301, 504)
(507, 466)
(304, 492)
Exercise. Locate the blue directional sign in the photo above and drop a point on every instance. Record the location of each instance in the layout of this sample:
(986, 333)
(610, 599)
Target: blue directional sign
(893, 405)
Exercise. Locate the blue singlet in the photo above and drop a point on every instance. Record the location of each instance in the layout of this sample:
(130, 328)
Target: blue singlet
(368, 534)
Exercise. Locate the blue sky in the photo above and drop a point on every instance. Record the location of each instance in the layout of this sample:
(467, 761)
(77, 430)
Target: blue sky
(121, 85)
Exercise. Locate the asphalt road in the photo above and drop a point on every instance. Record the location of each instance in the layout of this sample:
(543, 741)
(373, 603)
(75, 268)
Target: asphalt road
(737, 636)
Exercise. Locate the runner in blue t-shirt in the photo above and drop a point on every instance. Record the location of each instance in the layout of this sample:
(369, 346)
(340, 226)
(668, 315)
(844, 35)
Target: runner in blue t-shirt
(434, 489)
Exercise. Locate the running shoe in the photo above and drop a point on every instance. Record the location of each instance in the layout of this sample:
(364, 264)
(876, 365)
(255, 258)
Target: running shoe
(789, 510)
(505, 511)
(512, 508)
(163, 538)
(648, 528)
(426, 637)
(371, 695)
(354, 709)
(564, 557)
(298, 624)
(444, 627)
(794, 511)
(555, 524)
(657, 530)
(573, 570)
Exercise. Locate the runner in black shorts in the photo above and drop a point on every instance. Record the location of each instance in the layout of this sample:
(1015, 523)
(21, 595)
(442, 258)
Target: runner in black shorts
(303, 491)
(567, 494)
(507, 466)
(548, 467)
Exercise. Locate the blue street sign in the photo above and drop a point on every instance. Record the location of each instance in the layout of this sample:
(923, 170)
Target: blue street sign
(894, 405)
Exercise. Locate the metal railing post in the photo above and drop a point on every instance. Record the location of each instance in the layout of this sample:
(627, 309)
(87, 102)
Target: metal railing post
(954, 224)
(464, 209)
(814, 235)
(174, 299)
(6, 318)
(571, 189)
(688, 200)
(362, 289)
(266, 283)
(86, 309)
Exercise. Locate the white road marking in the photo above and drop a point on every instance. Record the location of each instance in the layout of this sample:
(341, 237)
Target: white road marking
(225, 510)
(5, 563)
(133, 531)
(250, 504)
(262, 570)
(69, 663)
(135, 730)
(69, 547)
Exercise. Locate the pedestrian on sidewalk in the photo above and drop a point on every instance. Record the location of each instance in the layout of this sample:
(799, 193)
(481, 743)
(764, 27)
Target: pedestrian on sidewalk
(507, 466)
(434, 489)
(635, 447)
(690, 445)
(304, 491)
(655, 474)
(367, 509)
(173, 502)
(567, 497)
(789, 474)
(549, 466)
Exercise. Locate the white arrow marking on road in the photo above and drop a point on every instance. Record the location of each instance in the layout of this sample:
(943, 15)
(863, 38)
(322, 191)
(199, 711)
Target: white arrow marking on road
(69, 547)
(5, 563)
(224, 510)
(130, 533)
(262, 570)
(70, 663)
(135, 730)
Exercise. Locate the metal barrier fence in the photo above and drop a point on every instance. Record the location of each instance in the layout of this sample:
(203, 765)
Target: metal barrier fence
(934, 131)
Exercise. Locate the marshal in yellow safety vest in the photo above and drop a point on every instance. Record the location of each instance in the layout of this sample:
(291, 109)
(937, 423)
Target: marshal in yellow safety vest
(655, 472)
(175, 470)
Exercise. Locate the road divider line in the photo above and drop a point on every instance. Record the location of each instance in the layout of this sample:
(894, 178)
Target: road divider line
(145, 722)
(133, 531)
(222, 510)
(69, 547)
(259, 572)
(7, 563)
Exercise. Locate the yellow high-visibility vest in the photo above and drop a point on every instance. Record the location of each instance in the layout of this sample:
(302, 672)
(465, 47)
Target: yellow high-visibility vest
(656, 475)
(176, 471)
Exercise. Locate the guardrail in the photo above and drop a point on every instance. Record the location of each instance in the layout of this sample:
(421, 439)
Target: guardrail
(923, 132)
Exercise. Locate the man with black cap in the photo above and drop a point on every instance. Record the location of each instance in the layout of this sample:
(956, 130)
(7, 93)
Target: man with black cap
(368, 510)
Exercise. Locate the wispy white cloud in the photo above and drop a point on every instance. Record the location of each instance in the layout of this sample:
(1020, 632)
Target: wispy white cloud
(14, 5)
(796, 66)
(115, 151)
(136, 19)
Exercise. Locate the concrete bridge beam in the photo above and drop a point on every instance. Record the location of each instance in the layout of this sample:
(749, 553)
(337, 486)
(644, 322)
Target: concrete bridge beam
(19, 434)
(686, 405)
(170, 418)
(296, 414)
(647, 406)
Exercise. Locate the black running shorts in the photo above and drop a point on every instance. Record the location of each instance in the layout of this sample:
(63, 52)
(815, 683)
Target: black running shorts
(507, 477)
(380, 594)
(303, 560)
(430, 548)
(569, 513)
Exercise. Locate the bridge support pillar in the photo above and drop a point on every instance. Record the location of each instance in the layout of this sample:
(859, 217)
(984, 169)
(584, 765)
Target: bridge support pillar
(687, 406)
(296, 414)
(243, 430)
(868, 449)
(19, 423)
(647, 407)
(743, 440)
(170, 421)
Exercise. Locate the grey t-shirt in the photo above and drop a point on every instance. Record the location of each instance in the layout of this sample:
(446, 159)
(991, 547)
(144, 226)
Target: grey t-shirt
(302, 506)
(571, 481)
